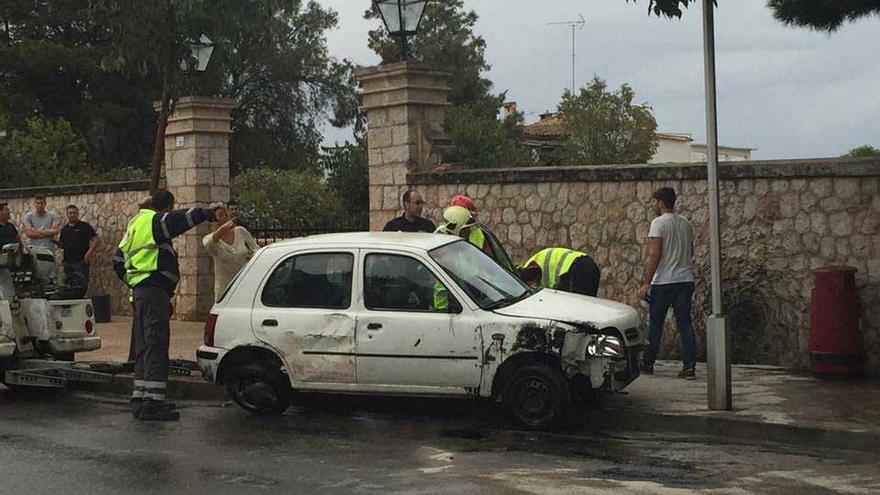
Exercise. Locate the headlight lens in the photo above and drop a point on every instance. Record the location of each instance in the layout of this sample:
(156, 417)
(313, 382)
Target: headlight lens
(605, 346)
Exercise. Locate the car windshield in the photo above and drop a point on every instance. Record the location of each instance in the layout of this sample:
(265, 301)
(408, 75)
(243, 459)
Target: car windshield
(488, 285)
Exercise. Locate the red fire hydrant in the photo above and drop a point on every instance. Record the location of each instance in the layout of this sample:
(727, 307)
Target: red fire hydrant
(835, 339)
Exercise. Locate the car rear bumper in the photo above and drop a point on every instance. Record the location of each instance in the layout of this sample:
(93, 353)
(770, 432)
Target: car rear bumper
(209, 361)
(74, 344)
(7, 349)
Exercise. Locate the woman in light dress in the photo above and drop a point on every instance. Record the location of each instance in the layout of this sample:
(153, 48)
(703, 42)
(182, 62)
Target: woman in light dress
(231, 246)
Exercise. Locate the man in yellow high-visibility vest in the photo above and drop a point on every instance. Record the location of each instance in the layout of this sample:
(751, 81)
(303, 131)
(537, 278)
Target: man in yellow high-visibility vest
(563, 269)
(147, 263)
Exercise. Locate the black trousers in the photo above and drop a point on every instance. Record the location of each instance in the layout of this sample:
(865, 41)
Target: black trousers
(152, 332)
(582, 278)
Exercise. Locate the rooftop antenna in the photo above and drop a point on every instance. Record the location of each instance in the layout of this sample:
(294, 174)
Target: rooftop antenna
(579, 24)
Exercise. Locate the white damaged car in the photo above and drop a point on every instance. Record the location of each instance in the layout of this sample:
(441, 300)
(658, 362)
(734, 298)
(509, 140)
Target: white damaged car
(422, 314)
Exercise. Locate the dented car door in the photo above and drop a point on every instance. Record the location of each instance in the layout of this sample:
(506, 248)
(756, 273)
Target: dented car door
(303, 309)
(407, 331)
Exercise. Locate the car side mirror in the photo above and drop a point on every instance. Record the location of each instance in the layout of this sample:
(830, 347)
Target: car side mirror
(454, 306)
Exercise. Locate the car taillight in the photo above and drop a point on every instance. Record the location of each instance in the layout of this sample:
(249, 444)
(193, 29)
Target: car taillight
(89, 327)
(89, 310)
(210, 324)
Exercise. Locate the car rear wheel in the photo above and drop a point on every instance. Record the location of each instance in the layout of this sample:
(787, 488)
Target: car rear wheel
(259, 389)
(536, 396)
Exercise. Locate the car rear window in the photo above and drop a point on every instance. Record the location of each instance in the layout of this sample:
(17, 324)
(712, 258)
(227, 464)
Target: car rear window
(318, 280)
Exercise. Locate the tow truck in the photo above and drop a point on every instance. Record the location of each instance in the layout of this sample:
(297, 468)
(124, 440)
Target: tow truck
(43, 323)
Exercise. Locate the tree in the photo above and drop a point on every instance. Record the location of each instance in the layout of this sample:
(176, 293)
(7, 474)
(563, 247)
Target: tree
(446, 39)
(822, 15)
(51, 56)
(347, 171)
(283, 198)
(480, 139)
(101, 63)
(864, 151)
(606, 127)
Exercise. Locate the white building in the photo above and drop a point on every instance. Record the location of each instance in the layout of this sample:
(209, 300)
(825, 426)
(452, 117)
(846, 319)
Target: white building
(681, 148)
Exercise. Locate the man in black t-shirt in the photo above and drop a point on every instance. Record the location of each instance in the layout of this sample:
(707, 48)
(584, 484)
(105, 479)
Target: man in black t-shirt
(8, 232)
(79, 241)
(411, 220)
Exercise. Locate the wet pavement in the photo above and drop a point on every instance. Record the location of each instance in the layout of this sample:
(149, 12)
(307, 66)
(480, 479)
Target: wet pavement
(68, 442)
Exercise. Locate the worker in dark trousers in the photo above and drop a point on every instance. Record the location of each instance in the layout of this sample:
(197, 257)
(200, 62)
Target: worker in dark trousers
(562, 269)
(147, 263)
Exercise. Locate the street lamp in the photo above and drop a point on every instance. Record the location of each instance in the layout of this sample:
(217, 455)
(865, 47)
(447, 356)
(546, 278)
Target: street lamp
(402, 19)
(200, 55)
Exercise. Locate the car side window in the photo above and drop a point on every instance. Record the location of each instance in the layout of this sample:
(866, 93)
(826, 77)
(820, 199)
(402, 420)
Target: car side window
(400, 283)
(319, 280)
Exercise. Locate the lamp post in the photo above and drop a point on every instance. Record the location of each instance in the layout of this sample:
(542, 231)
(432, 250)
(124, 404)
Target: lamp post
(402, 19)
(200, 55)
(717, 329)
(197, 61)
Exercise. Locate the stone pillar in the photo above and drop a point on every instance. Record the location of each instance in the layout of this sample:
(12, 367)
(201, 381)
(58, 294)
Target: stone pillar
(197, 173)
(406, 104)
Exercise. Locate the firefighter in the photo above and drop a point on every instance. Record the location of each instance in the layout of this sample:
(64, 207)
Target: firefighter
(147, 263)
(563, 269)
(475, 233)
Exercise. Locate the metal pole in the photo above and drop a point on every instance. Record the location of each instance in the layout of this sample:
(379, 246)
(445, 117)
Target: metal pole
(572, 59)
(717, 332)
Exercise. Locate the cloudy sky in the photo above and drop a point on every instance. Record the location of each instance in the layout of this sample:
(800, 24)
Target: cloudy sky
(790, 93)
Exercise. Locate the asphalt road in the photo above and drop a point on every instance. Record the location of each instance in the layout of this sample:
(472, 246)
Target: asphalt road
(86, 443)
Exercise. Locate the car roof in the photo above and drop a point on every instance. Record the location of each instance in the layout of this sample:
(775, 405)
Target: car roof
(370, 239)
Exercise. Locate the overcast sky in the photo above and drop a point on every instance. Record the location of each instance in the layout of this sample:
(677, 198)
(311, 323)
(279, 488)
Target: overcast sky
(790, 93)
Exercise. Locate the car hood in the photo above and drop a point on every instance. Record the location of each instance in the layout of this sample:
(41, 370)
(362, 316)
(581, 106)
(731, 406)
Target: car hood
(573, 308)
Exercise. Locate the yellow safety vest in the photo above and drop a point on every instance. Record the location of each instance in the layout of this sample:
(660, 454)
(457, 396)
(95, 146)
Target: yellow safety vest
(139, 248)
(441, 298)
(554, 262)
(476, 237)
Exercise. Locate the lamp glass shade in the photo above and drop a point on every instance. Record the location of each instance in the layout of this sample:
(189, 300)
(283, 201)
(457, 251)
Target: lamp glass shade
(412, 15)
(401, 16)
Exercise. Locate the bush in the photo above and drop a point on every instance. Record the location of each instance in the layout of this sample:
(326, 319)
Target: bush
(348, 178)
(43, 153)
(272, 198)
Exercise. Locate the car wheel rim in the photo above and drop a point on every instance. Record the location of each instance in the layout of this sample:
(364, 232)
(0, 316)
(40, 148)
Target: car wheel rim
(256, 394)
(534, 398)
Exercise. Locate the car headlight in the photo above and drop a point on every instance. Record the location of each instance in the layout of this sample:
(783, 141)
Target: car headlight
(605, 346)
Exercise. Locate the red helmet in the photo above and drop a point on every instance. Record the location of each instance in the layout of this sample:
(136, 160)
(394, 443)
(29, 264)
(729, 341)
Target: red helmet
(464, 202)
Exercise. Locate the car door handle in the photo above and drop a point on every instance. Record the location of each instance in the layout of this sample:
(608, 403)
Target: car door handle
(270, 323)
(374, 326)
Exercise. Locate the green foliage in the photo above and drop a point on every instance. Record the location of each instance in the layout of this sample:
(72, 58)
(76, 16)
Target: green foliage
(480, 139)
(44, 152)
(863, 151)
(271, 197)
(821, 15)
(446, 38)
(606, 127)
(347, 171)
(49, 152)
(101, 63)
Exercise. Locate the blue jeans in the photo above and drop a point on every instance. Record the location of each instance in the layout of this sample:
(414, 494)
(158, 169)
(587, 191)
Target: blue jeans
(680, 297)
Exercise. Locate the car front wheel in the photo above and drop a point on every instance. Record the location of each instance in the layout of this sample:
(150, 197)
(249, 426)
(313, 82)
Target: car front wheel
(258, 389)
(536, 396)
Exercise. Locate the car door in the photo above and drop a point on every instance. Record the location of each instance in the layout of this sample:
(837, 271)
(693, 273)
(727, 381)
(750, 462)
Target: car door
(402, 339)
(303, 309)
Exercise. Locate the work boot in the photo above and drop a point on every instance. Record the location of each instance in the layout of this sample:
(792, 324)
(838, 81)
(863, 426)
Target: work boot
(688, 374)
(137, 404)
(154, 410)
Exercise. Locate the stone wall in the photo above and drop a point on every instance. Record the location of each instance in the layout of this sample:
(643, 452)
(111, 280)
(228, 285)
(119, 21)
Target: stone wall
(779, 221)
(107, 207)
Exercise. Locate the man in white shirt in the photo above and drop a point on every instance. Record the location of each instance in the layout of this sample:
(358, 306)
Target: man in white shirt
(41, 226)
(669, 280)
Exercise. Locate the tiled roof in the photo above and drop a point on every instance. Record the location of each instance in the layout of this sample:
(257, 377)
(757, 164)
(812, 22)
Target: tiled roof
(550, 126)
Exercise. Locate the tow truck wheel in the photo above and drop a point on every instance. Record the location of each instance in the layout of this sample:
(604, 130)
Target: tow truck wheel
(536, 396)
(258, 389)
